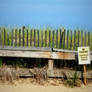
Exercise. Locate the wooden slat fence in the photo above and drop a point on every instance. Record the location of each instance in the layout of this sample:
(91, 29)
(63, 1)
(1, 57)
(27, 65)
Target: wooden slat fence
(60, 38)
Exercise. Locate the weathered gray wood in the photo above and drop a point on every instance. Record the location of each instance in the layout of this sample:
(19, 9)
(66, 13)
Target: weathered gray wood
(23, 36)
(74, 40)
(12, 38)
(49, 38)
(38, 38)
(64, 73)
(34, 37)
(57, 38)
(0, 38)
(30, 37)
(67, 39)
(50, 67)
(45, 38)
(15, 37)
(85, 39)
(25, 48)
(64, 39)
(78, 38)
(53, 38)
(19, 37)
(60, 39)
(27, 37)
(8, 39)
(81, 38)
(88, 38)
(71, 41)
(4, 37)
(37, 54)
(41, 38)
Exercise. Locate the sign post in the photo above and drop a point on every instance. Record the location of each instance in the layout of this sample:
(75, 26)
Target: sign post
(84, 59)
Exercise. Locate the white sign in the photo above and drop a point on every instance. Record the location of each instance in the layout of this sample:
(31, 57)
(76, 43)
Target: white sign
(83, 55)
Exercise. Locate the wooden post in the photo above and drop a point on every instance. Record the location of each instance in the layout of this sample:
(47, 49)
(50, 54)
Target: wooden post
(84, 74)
(50, 67)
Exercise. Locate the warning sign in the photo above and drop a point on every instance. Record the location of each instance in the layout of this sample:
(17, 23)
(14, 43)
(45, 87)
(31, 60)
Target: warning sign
(83, 55)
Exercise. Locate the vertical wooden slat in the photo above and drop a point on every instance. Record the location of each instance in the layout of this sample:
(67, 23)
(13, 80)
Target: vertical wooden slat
(78, 38)
(85, 38)
(27, 38)
(49, 38)
(4, 37)
(60, 39)
(67, 39)
(12, 38)
(8, 39)
(0, 38)
(71, 40)
(31, 37)
(64, 39)
(53, 32)
(75, 40)
(38, 38)
(15, 37)
(23, 36)
(34, 37)
(89, 39)
(81, 38)
(19, 37)
(57, 38)
(45, 38)
(41, 38)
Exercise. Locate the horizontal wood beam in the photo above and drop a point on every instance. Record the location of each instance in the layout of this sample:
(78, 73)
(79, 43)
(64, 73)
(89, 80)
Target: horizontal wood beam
(37, 54)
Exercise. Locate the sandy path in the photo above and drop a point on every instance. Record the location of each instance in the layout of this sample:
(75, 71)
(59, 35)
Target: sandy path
(37, 88)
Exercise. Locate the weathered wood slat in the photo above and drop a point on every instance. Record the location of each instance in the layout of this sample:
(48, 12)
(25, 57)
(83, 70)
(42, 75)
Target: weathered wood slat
(88, 38)
(49, 38)
(8, 39)
(23, 36)
(25, 49)
(0, 38)
(60, 39)
(19, 37)
(34, 37)
(12, 38)
(38, 54)
(15, 37)
(53, 38)
(41, 38)
(74, 40)
(4, 37)
(78, 38)
(81, 38)
(67, 39)
(27, 38)
(45, 38)
(71, 41)
(64, 39)
(57, 38)
(38, 38)
(85, 38)
(30, 37)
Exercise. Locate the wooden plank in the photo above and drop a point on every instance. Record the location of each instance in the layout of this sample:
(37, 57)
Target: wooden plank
(67, 39)
(57, 38)
(25, 48)
(75, 40)
(19, 37)
(45, 38)
(12, 38)
(15, 37)
(85, 39)
(0, 38)
(53, 38)
(31, 37)
(34, 37)
(37, 54)
(71, 41)
(27, 37)
(81, 38)
(89, 39)
(41, 38)
(49, 38)
(64, 39)
(23, 36)
(8, 39)
(78, 38)
(60, 39)
(4, 37)
(38, 38)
